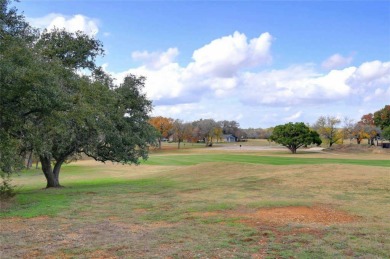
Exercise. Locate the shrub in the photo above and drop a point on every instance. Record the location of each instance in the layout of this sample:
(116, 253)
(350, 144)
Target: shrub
(7, 190)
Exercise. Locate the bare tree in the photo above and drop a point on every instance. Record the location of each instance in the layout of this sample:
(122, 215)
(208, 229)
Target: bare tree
(327, 128)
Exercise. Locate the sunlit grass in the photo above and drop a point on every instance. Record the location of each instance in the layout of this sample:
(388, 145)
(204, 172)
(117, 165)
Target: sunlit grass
(188, 204)
(256, 159)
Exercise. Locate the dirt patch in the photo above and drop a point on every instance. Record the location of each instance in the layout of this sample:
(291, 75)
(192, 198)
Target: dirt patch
(16, 224)
(291, 214)
(300, 214)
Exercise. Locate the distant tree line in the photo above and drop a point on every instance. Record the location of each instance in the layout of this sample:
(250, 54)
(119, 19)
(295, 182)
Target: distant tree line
(372, 126)
(330, 129)
(207, 131)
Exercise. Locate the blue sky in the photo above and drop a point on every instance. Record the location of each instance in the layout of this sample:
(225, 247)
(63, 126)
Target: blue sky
(261, 63)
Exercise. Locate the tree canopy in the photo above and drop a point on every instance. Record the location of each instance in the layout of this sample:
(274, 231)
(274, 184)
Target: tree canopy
(382, 117)
(48, 108)
(163, 126)
(294, 136)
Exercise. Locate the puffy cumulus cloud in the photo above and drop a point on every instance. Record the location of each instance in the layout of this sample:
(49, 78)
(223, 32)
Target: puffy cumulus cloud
(371, 74)
(225, 56)
(222, 86)
(372, 81)
(303, 85)
(218, 84)
(156, 60)
(73, 23)
(168, 82)
(337, 61)
(163, 84)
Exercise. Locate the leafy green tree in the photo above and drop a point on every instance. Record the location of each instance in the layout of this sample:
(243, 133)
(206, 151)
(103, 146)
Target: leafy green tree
(75, 50)
(294, 136)
(48, 108)
(29, 87)
(382, 117)
(386, 133)
(13, 24)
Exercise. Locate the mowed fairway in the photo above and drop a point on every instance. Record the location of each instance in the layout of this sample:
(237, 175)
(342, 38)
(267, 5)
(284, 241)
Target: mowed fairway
(205, 203)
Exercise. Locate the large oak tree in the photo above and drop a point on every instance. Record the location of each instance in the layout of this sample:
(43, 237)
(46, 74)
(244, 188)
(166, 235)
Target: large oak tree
(49, 108)
(294, 136)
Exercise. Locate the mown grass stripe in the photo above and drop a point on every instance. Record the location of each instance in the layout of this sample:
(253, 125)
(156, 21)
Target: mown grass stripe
(270, 160)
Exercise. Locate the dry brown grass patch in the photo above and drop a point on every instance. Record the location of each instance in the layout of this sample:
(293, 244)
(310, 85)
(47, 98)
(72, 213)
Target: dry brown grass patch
(286, 215)
(299, 214)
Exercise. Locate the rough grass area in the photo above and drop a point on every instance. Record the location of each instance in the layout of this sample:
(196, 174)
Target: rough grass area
(362, 148)
(211, 205)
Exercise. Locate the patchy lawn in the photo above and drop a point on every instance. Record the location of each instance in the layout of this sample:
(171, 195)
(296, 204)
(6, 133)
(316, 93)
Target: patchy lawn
(183, 205)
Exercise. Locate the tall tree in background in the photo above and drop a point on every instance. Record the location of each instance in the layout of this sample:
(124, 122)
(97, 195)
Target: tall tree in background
(359, 132)
(382, 120)
(218, 133)
(367, 125)
(229, 127)
(327, 128)
(205, 129)
(294, 136)
(181, 131)
(386, 133)
(163, 126)
(348, 129)
(382, 117)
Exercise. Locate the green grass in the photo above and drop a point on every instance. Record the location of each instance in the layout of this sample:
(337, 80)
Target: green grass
(198, 205)
(49, 202)
(254, 159)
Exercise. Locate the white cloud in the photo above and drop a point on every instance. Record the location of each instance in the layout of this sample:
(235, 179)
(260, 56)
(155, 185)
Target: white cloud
(73, 23)
(371, 80)
(163, 84)
(374, 72)
(217, 84)
(168, 82)
(293, 117)
(156, 60)
(337, 61)
(225, 56)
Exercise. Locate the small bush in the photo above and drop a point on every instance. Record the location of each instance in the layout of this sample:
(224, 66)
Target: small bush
(7, 190)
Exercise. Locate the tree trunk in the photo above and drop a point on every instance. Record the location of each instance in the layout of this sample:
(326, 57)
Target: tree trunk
(293, 150)
(178, 144)
(29, 161)
(159, 143)
(52, 176)
(56, 171)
